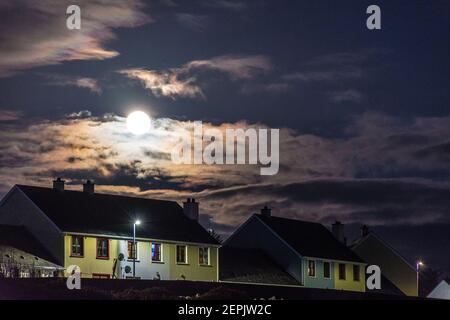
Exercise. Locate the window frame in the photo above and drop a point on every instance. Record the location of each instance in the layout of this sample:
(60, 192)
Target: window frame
(329, 269)
(208, 250)
(357, 267)
(345, 271)
(75, 255)
(160, 252)
(107, 249)
(128, 251)
(185, 254)
(313, 269)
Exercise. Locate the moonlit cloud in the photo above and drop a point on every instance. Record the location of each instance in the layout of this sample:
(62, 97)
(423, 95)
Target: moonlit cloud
(165, 83)
(183, 82)
(237, 66)
(380, 172)
(39, 36)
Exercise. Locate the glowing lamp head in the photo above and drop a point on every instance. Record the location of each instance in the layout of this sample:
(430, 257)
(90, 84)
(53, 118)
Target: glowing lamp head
(137, 222)
(138, 122)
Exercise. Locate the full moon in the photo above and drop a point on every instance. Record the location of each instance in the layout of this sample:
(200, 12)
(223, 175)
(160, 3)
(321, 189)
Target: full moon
(138, 122)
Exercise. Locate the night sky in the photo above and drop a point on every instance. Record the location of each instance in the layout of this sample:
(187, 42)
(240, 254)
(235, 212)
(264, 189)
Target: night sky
(364, 115)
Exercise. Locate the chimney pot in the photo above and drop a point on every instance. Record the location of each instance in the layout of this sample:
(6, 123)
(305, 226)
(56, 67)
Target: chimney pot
(266, 211)
(58, 184)
(190, 208)
(364, 231)
(89, 187)
(337, 229)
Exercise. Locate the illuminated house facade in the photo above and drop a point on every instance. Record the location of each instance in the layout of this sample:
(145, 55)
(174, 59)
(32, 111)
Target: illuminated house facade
(95, 232)
(307, 251)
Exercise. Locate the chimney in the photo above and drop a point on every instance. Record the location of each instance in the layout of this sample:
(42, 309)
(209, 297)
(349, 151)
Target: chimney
(58, 184)
(364, 231)
(190, 208)
(337, 229)
(88, 187)
(266, 211)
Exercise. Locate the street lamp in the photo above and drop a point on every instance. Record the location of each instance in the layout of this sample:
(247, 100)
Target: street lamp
(134, 250)
(418, 265)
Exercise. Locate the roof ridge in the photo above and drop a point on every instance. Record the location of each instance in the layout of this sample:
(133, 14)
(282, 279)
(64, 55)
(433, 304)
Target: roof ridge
(97, 193)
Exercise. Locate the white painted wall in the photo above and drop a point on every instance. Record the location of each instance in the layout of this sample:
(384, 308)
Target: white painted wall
(145, 268)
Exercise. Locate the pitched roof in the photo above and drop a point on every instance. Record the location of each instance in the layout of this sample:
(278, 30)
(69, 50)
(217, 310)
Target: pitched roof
(76, 211)
(251, 265)
(19, 238)
(309, 239)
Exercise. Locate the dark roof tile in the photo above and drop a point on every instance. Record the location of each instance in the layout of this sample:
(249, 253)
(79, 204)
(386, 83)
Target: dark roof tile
(310, 239)
(76, 211)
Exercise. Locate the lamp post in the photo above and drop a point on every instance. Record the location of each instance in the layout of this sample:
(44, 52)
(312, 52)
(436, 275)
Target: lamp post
(134, 249)
(418, 265)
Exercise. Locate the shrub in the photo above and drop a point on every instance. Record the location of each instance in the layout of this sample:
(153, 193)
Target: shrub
(223, 293)
(154, 293)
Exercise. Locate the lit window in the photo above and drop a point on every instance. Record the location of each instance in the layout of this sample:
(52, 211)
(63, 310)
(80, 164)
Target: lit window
(341, 271)
(311, 268)
(181, 254)
(203, 256)
(156, 252)
(132, 250)
(102, 248)
(77, 246)
(326, 270)
(356, 272)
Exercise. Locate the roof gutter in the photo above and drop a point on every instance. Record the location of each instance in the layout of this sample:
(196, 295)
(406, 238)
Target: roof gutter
(99, 235)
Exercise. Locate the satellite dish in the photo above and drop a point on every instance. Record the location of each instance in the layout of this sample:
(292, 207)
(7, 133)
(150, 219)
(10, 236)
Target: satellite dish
(121, 257)
(127, 269)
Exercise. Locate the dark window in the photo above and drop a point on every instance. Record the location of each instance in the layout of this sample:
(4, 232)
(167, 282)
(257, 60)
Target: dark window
(341, 271)
(156, 252)
(77, 246)
(132, 250)
(102, 248)
(203, 255)
(356, 272)
(181, 254)
(311, 268)
(326, 270)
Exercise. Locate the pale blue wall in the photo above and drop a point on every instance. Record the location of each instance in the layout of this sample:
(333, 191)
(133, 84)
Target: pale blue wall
(319, 281)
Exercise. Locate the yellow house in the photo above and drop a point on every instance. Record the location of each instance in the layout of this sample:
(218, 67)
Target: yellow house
(112, 236)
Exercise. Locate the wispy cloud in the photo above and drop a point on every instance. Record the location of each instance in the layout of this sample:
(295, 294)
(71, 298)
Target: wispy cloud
(165, 83)
(192, 21)
(349, 95)
(34, 33)
(80, 82)
(236, 5)
(183, 81)
(9, 115)
(351, 72)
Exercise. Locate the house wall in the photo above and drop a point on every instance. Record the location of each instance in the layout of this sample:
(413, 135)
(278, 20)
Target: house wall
(349, 283)
(18, 210)
(393, 267)
(193, 270)
(256, 235)
(89, 264)
(168, 269)
(319, 281)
